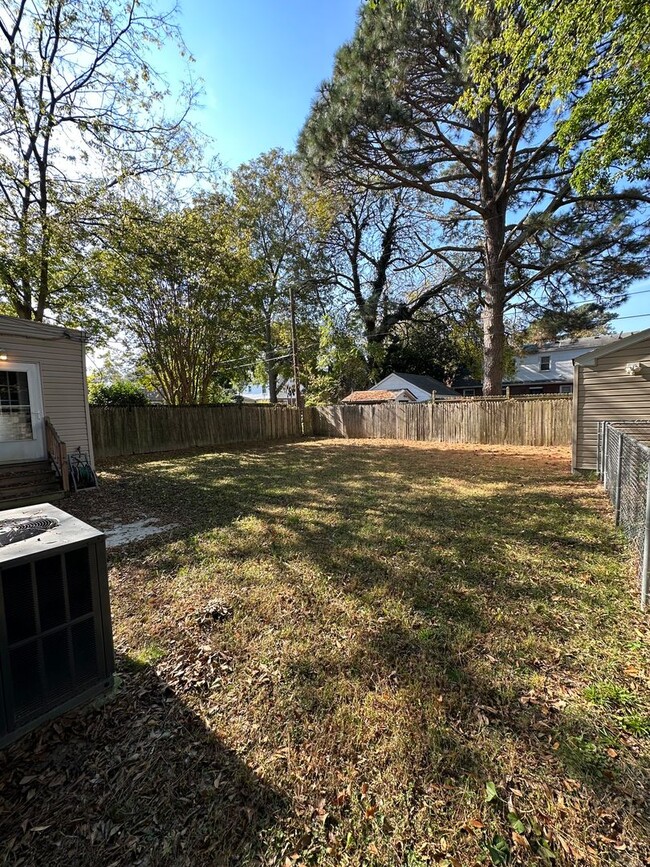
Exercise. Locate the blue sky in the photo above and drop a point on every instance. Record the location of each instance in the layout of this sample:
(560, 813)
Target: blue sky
(261, 62)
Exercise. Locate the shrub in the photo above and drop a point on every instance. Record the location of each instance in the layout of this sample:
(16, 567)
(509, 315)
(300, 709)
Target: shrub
(121, 393)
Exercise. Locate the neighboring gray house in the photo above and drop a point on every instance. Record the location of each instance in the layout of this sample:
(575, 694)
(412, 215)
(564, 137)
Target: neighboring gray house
(547, 368)
(542, 368)
(421, 387)
(43, 407)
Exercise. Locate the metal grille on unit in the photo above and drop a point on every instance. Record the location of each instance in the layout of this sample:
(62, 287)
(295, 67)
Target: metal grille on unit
(55, 631)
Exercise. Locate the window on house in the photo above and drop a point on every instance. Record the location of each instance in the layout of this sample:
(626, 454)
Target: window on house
(545, 362)
(566, 389)
(15, 409)
(468, 392)
(535, 389)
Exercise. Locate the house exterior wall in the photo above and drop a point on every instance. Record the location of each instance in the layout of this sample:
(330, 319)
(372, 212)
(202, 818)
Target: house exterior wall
(60, 355)
(393, 382)
(528, 367)
(540, 388)
(606, 393)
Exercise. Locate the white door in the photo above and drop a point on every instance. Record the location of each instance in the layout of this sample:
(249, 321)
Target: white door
(22, 425)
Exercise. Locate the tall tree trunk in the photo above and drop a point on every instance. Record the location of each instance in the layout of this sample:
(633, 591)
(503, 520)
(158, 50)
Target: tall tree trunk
(374, 354)
(273, 381)
(23, 302)
(494, 295)
(271, 371)
(493, 346)
(45, 246)
(294, 347)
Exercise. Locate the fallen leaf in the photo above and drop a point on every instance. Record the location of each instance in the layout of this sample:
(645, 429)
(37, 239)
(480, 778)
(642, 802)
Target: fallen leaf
(520, 840)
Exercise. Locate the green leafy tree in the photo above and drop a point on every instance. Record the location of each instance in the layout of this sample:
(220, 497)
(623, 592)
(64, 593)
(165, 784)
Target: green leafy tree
(82, 116)
(434, 346)
(339, 366)
(552, 325)
(510, 228)
(592, 60)
(178, 285)
(283, 220)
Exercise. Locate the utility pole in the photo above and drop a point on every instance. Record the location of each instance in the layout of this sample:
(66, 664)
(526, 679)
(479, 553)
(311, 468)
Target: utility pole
(294, 346)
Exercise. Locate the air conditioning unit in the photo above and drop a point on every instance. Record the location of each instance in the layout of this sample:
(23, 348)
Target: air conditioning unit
(56, 645)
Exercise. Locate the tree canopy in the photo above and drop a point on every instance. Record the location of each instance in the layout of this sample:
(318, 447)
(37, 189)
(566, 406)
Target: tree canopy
(178, 284)
(510, 229)
(376, 253)
(83, 112)
(284, 222)
(589, 60)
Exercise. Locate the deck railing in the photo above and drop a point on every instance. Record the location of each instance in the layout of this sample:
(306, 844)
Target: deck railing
(57, 453)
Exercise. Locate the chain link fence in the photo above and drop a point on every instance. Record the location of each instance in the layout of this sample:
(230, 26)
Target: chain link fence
(624, 470)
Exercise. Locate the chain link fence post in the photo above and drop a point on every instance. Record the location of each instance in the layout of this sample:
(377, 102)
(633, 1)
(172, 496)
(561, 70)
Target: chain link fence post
(619, 483)
(601, 450)
(645, 578)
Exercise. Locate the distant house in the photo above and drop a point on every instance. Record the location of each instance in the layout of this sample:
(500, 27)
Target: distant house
(260, 394)
(467, 386)
(421, 387)
(378, 395)
(542, 368)
(547, 368)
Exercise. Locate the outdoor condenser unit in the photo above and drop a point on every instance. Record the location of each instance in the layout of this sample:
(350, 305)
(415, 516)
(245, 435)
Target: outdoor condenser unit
(56, 646)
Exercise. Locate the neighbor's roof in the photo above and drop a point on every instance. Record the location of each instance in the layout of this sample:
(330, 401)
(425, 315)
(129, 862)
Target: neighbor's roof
(377, 396)
(581, 343)
(426, 383)
(590, 358)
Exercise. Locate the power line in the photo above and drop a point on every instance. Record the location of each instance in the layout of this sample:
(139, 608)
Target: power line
(634, 316)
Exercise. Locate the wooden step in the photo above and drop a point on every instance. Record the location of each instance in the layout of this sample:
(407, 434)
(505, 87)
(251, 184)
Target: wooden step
(37, 476)
(23, 465)
(28, 483)
(51, 497)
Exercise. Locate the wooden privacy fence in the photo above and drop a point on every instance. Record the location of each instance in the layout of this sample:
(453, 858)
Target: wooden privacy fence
(533, 421)
(142, 429)
(518, 421)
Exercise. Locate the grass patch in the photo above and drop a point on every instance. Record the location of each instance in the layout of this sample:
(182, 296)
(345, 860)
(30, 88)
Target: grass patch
(611, 695)
(399, 629)
(149, 654)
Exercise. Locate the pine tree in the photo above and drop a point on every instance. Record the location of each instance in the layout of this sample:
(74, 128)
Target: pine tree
(511, 228)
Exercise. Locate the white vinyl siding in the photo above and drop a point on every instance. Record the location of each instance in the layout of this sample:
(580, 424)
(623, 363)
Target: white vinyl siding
(60, 354)
(530, 368)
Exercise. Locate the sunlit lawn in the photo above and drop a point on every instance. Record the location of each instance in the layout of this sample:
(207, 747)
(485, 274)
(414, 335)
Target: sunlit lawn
(354, 653)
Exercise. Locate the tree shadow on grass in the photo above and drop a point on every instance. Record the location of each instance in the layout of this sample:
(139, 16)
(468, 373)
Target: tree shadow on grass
(452, 728)
(137, 780)
(502, 560)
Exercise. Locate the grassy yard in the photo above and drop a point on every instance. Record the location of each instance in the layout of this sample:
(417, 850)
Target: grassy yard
(353, 653)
